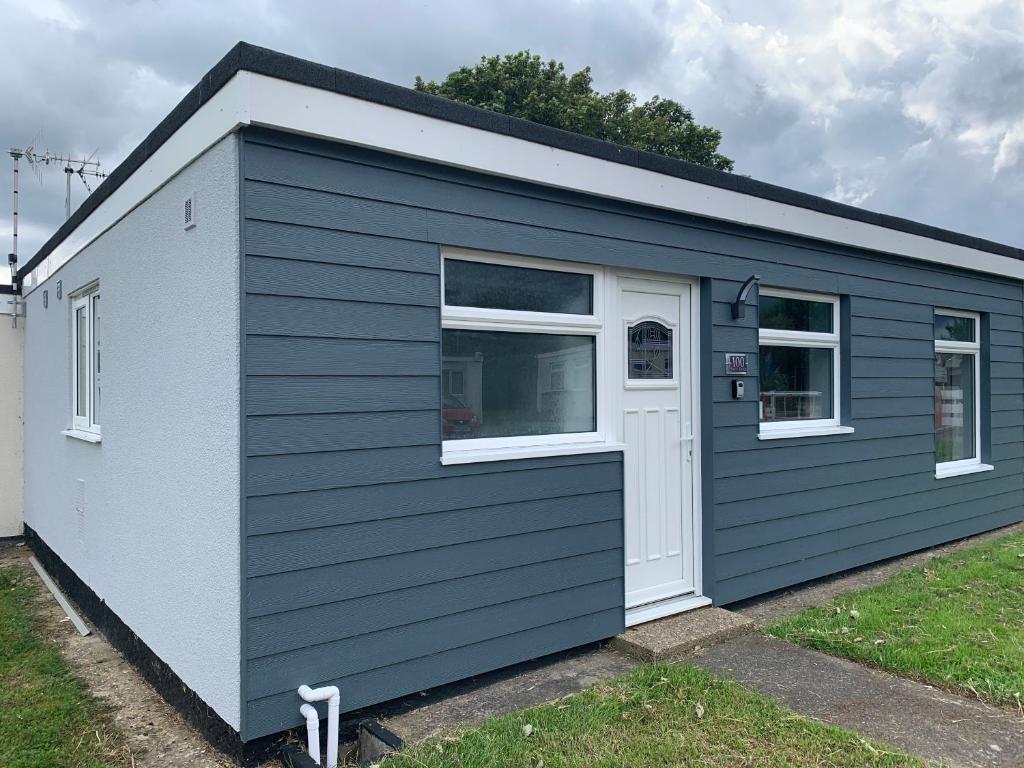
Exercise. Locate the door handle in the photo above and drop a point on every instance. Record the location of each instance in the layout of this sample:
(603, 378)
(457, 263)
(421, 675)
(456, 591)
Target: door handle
(688, 440)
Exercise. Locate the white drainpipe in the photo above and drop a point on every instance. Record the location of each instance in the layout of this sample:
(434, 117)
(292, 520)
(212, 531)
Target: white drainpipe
(312, 730)
(332, 696)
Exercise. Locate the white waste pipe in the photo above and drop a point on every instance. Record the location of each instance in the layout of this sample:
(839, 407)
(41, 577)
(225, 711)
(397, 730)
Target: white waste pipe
(309, 712)
(332, 696)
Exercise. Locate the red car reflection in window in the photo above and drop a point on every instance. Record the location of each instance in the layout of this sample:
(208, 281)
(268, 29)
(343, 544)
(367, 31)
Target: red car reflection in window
(458, 419)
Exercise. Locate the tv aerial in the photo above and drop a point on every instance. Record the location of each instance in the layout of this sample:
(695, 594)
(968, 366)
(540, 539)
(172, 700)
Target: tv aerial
(82, 167)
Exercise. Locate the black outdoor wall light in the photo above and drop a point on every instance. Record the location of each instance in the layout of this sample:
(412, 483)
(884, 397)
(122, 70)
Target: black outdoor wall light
(739, 307)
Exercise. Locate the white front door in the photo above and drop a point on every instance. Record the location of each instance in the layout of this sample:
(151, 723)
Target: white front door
(657, 428)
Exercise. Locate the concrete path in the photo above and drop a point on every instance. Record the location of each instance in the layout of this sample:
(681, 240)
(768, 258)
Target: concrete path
(916, 718)
(531, 684)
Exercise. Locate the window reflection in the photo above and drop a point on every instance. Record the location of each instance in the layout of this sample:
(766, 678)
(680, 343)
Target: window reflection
(503, 384)
(954, 407)
(498, 286)
(796, 383)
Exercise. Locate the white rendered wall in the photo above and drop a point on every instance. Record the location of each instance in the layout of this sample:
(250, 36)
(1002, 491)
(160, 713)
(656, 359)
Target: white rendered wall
(11, 341)
(149, 517)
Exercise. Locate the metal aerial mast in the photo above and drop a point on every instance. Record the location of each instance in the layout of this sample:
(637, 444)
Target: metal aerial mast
(81, 167)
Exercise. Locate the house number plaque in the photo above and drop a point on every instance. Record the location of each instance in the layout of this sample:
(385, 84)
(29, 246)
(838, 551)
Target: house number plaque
(736, 363)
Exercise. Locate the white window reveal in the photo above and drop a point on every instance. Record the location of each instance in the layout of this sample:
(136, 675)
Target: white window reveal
(86, 365)
(957, 393)
(798, 338)
(520, 343)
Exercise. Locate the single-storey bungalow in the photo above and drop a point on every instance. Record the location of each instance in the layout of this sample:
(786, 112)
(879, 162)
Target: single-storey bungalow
(337, 383)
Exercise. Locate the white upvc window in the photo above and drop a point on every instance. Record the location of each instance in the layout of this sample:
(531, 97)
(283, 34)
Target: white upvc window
(957, 393)
(86, 363)
(799, 364)
(521, 345)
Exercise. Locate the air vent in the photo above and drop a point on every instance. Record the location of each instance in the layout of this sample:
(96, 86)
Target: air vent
(189, 211)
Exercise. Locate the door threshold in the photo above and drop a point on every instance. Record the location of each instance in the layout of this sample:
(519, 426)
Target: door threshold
(644, 613)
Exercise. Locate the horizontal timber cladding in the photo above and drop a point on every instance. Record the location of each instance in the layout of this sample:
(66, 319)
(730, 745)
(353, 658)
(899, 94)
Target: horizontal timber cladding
(368, 564)
(371, 565)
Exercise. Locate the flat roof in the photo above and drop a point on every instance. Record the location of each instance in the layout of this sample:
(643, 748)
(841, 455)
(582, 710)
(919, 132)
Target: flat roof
(247, 58)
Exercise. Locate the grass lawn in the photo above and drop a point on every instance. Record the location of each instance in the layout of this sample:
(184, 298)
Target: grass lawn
(956, 622)
(662, 714)
(47, 719)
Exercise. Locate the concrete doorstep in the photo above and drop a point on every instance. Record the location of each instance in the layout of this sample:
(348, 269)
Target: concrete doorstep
(680, 636)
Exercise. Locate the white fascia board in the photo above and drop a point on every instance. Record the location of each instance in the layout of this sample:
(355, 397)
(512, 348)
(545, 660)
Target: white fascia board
(222, 114)
(325, 114)
(250, 98)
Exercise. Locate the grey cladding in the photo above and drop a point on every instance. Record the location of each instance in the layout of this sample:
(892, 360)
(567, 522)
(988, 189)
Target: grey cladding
(368, 564)
(372, 566)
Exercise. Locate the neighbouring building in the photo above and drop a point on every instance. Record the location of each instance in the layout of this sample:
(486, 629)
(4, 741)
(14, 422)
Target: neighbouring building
(11, 342)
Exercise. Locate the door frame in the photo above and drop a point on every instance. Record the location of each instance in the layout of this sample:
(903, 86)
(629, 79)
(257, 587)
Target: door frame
(614, 353)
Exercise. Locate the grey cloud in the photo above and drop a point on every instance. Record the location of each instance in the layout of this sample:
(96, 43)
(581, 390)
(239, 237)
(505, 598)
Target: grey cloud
(105, 83)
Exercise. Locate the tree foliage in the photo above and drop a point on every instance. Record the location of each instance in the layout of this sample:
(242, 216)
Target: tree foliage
(522, 85)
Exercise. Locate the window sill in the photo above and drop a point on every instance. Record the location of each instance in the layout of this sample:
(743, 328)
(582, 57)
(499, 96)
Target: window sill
(527, 452)
(780, 434)
(970, 469)
(81, 434)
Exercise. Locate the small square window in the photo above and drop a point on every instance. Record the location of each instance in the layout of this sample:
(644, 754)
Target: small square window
(798, 362)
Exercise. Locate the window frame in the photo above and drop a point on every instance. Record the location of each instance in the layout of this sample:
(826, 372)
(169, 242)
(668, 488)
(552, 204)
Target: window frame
(523, 321)
(945, 346)
(85, 425)
(769, 337)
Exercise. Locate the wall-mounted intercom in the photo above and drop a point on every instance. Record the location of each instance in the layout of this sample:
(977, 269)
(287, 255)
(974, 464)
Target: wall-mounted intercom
(737, 389)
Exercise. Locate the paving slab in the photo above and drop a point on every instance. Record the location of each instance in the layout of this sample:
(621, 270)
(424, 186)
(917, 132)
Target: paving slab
(677, 637)
(531, 687)
(917, 718)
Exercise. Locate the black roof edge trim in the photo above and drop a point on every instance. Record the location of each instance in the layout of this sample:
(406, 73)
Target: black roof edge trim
(263, 61)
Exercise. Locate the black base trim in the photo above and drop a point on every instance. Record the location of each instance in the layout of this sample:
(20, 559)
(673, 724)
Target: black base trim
(155, 671)
(197, 712)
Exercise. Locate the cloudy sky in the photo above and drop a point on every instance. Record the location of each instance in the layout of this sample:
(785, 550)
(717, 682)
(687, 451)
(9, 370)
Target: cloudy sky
(911, 107)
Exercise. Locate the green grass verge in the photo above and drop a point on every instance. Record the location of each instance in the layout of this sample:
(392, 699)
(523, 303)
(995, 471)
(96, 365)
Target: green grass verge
(47, 719)
(662, 714)
(956, 622)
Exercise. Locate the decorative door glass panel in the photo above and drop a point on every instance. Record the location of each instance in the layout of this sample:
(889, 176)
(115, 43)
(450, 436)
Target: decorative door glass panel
(650, 351)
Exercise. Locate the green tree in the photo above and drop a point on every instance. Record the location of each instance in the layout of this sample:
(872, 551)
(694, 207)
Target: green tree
(522, 85)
